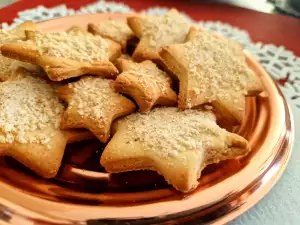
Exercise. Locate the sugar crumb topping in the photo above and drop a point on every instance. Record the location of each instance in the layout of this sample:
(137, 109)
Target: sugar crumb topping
(77, 47)
(7, 37)
(165, 30)
(116, 30)
(8, 68)
(217, 67)
(149, 76)
(5, 67)
(94, 98)
(6, 64)
(169, 131)
(30, 112)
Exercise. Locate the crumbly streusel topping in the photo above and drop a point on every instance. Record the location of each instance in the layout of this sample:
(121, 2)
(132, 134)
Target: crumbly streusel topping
(172, 131)
(217, 66)
(29, 111)
(116, 30)
(94, 98)
(76, 47)
(164, 30)
(148, 76)
(6, 64)
(7, 37)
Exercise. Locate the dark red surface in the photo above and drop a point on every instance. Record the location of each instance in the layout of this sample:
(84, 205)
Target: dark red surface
(266, 28)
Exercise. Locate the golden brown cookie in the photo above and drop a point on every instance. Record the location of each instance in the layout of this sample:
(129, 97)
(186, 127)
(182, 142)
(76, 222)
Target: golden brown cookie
(64, 55)
(115, 30)
(177, 144)
(155, 32)
(9, 67)
(93, 104)
(30, 115)
(212, 69)
(145, 83)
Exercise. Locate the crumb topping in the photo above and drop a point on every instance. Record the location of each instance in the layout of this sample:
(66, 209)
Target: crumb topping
(217, 67)
(8, 66)
(116, 30)
(94, 98)
(172, 131)
(5, 63)
(77, 47)
(7, 37)
(148, 76)
(5, 67)
(164, 30)
(29, 111)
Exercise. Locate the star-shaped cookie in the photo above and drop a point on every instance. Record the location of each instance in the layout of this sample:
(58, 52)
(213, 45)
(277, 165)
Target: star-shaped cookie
(212, 69)
(93, 104)
(9, 67)
(177, 144)
(157, 31)
(145, 83)
(115, 30)
(64, 55)
(30, 115)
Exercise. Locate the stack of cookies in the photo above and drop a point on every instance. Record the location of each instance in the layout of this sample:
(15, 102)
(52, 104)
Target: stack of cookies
(154, 107)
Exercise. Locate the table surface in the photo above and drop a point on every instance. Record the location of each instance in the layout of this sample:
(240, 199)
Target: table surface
(282, 204)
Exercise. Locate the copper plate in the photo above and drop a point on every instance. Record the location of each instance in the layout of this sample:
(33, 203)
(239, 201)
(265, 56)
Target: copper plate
(85, 195)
